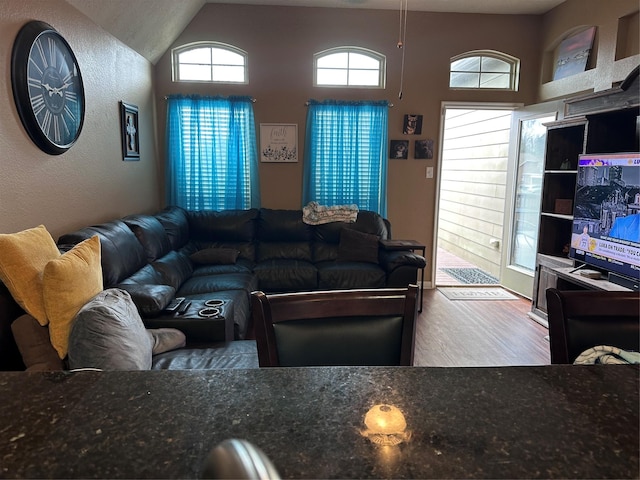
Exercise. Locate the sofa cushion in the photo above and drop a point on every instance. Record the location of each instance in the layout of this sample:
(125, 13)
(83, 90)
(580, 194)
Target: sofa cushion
(286, 275)
(151, 235)
(69, 282)
(175, 223)
(34, 344)
(122, 253)
(367, 222)
(166, 339)
(237, 354)
(283, 226)
(284, 250)
(147, 275)
(207, 226)
(174, 269)
(242, 265)
(215, 256)
(347, 275)
(108, 333)
(215, 283)
(150, 300)
(357, 246)
(23, 256)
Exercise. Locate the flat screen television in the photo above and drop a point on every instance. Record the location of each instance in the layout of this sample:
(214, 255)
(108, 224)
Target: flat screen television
(606, 215)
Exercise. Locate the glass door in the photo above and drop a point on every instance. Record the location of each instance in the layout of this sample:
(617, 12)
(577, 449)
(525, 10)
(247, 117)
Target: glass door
(522, 212)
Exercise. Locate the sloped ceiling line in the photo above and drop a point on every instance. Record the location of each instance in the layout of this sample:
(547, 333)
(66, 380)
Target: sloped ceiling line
(150, 26)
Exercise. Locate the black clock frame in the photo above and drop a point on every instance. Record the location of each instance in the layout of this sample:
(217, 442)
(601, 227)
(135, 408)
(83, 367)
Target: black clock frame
(19, 80)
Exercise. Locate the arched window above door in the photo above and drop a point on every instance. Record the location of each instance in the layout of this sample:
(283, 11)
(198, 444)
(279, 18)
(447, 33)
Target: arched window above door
(484, 69)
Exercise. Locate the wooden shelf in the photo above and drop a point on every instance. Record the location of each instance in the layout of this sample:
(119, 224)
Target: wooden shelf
(606, 122)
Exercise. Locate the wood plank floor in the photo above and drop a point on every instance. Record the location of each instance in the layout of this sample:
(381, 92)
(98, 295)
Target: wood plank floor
(467, 333)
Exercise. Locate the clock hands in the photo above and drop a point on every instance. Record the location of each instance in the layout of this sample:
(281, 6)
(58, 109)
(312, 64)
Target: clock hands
(56, 90)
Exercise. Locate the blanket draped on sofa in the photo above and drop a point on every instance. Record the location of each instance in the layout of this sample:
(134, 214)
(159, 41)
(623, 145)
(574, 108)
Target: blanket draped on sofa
(315, 214)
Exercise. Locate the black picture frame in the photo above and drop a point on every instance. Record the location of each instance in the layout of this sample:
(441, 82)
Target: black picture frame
(130, 129)
(412, 124)
(423, 149)
(399, 149)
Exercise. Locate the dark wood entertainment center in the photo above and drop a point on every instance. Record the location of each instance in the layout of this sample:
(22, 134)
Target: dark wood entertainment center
(603, 122)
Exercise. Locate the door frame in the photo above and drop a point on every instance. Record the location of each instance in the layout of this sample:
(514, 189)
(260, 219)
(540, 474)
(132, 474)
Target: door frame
(443, 107)
(512, 277)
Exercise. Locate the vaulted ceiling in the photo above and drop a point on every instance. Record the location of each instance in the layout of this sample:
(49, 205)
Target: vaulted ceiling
(151, 26)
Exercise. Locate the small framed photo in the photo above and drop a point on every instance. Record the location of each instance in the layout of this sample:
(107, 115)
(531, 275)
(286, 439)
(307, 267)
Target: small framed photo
(412, 125)
(279, 142)
(130, 135)
(423, 149)
(399, 149)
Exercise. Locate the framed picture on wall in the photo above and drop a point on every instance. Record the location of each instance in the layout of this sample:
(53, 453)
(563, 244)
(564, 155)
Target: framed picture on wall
(130, 135)
(399, 149)
(412, 124)
(423, 149)
(573, 54)
(278, 142)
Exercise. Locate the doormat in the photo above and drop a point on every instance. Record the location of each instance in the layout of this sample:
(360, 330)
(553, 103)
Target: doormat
(461, 293)
(474, 276)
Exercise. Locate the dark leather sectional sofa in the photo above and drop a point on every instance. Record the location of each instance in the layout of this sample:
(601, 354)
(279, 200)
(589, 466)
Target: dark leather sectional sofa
(151, 257)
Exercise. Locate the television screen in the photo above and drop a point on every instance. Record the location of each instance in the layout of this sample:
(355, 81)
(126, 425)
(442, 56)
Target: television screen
(606, 213)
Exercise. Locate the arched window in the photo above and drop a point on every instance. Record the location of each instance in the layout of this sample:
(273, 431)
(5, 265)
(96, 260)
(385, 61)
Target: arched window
(349, 67)
(484, 69)
(209, 62)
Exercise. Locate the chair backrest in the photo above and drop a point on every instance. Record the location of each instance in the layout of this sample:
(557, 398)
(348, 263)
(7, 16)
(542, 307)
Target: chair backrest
(336, 327)
(581, 319)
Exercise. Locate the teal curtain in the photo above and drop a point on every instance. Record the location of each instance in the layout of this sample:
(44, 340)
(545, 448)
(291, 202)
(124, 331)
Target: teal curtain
(212, 155)
(346, 154)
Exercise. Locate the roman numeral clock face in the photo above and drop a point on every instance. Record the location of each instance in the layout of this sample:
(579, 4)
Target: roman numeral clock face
(47, 87)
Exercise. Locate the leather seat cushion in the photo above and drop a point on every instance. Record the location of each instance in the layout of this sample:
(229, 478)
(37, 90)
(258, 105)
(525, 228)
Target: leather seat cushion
(241, 266)
(236, 354)
(339, 341)
(286, 275)
(340, 275)
(216, 283)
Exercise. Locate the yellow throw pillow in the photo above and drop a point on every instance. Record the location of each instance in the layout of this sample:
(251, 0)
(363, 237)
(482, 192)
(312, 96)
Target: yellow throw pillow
(23, 256)
(68, 283)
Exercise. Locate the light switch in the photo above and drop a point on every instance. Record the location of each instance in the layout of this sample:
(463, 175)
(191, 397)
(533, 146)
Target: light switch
(429, 172)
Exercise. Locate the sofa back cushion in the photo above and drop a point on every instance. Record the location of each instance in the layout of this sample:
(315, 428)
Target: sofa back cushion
(151, 235)
(175, 223)
(122, 253)
(174, 268)
(283, 234)
(327, 236)
(227, 229)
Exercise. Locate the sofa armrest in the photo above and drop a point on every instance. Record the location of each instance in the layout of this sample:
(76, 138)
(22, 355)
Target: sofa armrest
(149, 299)
(393, 259)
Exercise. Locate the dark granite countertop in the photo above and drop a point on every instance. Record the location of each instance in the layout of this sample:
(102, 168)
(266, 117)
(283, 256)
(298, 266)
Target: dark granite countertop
(502, 422)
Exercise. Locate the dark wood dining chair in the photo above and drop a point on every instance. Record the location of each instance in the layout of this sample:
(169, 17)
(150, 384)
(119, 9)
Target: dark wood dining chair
(337, 327)
(583, 319)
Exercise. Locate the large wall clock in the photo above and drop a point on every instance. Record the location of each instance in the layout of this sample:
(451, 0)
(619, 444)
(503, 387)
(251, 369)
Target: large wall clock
(47, 87)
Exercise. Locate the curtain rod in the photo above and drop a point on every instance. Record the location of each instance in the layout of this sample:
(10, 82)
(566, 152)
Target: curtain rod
(253, 100)
(306, 104)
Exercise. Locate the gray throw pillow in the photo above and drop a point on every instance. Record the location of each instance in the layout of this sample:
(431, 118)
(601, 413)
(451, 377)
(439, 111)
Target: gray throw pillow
(108, 334)
(165, 339)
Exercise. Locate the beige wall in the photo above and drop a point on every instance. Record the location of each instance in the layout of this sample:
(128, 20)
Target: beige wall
(90, 182)
(281, 43)
(573, 15)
